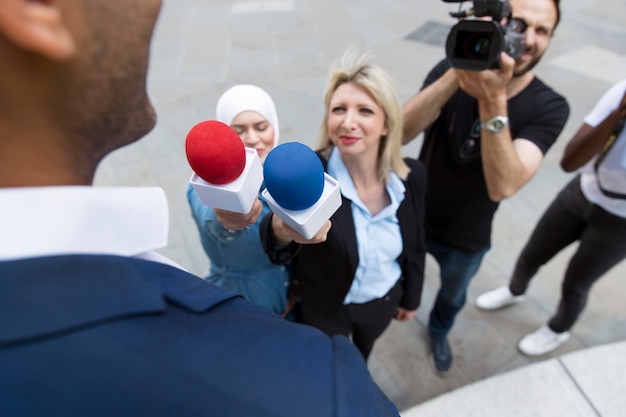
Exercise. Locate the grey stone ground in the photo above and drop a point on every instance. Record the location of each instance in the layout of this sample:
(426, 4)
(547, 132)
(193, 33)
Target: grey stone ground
(287, 46)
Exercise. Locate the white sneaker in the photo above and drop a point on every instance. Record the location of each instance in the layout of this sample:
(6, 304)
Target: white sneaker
(498, 298)
(542, 341)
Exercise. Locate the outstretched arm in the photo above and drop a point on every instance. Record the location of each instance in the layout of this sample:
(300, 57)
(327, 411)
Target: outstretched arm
(237, 221)
(281, 242)
(421, 110)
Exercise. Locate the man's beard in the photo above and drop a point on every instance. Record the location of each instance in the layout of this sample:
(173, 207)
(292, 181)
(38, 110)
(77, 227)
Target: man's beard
(531, 64)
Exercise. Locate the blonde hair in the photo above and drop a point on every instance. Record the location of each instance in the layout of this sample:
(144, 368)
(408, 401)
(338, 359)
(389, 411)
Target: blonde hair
(354, 69)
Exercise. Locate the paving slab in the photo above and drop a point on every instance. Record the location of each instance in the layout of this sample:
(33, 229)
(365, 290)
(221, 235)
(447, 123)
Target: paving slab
(587, 383)
(600, 374)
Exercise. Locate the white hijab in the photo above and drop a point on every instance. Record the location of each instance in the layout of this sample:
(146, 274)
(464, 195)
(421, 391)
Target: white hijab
(245, 97)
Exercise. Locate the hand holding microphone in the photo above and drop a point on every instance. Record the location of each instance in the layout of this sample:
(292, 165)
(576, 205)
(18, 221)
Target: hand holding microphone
(237, 221)
(299, 192)
(227, 176)
(285, 234)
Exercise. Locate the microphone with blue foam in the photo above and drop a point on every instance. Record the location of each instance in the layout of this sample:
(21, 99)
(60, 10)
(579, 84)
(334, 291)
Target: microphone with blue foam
(297, 188)
(226, 175)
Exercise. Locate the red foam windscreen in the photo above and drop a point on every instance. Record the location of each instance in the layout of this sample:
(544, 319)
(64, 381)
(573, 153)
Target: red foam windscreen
(215, 152)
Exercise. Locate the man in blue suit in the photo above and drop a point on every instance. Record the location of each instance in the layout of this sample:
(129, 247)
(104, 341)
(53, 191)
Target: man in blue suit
(92, 322)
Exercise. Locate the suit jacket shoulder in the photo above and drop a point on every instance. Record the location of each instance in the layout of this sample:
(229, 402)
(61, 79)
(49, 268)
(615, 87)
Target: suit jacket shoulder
(114, 336)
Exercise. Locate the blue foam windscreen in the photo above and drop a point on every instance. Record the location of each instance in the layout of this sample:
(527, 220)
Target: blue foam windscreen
(294, 176)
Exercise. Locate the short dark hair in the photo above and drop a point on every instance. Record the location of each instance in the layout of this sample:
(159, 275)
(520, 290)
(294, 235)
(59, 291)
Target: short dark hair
(558, 13)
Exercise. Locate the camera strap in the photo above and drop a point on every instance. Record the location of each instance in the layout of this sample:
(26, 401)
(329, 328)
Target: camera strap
(605, 150)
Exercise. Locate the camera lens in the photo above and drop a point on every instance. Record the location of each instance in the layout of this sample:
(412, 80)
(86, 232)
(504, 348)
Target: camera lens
(474, 45)
(481, 46)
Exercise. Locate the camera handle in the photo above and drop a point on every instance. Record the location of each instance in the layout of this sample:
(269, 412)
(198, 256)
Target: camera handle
(462, 14)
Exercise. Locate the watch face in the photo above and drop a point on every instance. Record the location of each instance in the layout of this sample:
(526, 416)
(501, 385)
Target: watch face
(498, 125)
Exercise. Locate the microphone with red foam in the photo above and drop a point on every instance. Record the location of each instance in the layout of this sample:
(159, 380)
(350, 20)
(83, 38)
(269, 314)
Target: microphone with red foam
(297, 188)
(226, 175)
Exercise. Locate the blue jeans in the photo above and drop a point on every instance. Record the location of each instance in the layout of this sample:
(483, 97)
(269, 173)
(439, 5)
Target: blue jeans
(456, 270)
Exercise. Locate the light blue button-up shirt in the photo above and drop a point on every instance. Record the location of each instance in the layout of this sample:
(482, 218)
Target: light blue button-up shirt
(378, 237)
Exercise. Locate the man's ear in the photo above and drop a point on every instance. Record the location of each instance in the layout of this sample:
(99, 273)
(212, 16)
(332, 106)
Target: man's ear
(37, 26)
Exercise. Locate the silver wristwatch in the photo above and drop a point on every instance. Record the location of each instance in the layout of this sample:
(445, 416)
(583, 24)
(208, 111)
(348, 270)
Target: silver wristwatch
(496, 125)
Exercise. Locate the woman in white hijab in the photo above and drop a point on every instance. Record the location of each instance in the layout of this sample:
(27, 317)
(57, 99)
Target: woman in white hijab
(231, 240)
(251, 112)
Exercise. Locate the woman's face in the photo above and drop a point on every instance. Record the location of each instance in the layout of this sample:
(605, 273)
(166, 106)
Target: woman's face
(355, 121)
(255, 131)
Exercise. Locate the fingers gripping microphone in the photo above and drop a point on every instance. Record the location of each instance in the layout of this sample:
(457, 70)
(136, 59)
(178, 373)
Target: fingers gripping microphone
(226, 175)
(297, 188)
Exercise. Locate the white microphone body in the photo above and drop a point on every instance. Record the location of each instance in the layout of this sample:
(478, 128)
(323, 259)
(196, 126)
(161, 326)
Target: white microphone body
(309, 221)
(238, 195)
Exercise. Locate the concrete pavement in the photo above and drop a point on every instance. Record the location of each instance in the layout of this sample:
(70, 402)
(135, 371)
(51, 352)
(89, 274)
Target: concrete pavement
(588, 382)
(287, 47)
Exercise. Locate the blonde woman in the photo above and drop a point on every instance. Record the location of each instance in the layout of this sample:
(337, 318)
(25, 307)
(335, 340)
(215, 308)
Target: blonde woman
(370, 268)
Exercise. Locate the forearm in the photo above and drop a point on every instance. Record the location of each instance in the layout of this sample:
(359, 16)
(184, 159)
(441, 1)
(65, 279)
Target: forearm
(206, 219)
(587, 142)
(281, 238)
(421, 110)
(211, 227)
(277, 253)
(504, 171)
(220, 233)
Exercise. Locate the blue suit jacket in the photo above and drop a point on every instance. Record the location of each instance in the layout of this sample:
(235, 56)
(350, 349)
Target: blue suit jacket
(115, 336)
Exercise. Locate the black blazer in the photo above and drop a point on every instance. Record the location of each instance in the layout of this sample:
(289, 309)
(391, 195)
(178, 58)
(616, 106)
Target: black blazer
(325, 271)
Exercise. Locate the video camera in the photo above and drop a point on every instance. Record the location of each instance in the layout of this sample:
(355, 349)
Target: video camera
(476, 44)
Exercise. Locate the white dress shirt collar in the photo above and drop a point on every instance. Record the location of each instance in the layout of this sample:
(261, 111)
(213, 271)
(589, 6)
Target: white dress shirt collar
(44, 221)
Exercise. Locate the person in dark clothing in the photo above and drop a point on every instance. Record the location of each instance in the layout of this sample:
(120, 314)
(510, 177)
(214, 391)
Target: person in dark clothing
(486, 133)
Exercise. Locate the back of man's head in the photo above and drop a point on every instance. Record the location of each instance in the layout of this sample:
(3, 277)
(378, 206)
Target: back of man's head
(73, 86)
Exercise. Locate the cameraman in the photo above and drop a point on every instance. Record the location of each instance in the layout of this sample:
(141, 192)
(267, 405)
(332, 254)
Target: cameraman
(485, 136)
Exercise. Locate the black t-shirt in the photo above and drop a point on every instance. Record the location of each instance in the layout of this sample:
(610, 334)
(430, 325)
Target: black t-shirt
(458, 209)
